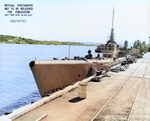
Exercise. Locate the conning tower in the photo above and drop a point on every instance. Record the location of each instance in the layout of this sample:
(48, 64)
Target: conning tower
(109, 50)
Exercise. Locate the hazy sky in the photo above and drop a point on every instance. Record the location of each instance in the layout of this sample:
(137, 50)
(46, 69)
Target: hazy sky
(80, 20)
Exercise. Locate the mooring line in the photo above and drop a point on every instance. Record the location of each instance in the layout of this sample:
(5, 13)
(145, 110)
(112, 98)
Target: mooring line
(95, 69)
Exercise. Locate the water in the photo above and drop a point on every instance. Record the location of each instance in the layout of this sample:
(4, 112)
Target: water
(17, 84)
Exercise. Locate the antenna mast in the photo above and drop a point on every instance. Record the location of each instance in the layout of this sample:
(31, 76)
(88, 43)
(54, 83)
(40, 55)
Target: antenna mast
(112, 29)
(113, 19)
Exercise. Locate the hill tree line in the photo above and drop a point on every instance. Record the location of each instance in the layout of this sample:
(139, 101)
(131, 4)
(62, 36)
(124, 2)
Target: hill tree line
(20, 40)
(141, 46)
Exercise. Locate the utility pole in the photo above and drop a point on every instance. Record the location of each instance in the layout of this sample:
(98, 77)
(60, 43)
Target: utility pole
(69, 52)
(149, 40)
(149, 44)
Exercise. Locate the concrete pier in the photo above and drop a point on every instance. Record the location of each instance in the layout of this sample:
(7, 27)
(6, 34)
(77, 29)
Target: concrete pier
(124, 96)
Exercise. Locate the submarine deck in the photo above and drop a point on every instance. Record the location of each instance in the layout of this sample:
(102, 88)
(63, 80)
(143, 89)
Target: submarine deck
(122, 96)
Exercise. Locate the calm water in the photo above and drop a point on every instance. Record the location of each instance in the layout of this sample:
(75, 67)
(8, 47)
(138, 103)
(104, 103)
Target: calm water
(17, 84)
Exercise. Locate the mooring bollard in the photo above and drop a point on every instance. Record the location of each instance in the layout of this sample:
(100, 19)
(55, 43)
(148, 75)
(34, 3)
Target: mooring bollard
(82, 88)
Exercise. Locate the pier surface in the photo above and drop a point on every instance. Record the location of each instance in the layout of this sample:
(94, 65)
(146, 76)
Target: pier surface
(123, 96)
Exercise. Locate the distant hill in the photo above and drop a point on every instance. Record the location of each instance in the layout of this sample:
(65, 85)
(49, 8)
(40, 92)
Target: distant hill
(96, 44)
(20, 40)
(92, 43)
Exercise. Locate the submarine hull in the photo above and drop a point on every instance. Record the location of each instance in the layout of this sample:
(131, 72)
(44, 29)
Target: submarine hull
(51, 76)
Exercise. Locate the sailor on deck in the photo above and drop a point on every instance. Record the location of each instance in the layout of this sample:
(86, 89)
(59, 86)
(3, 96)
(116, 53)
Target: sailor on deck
(89, 56)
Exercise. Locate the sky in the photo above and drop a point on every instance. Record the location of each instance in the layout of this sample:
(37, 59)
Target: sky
(79, 20)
